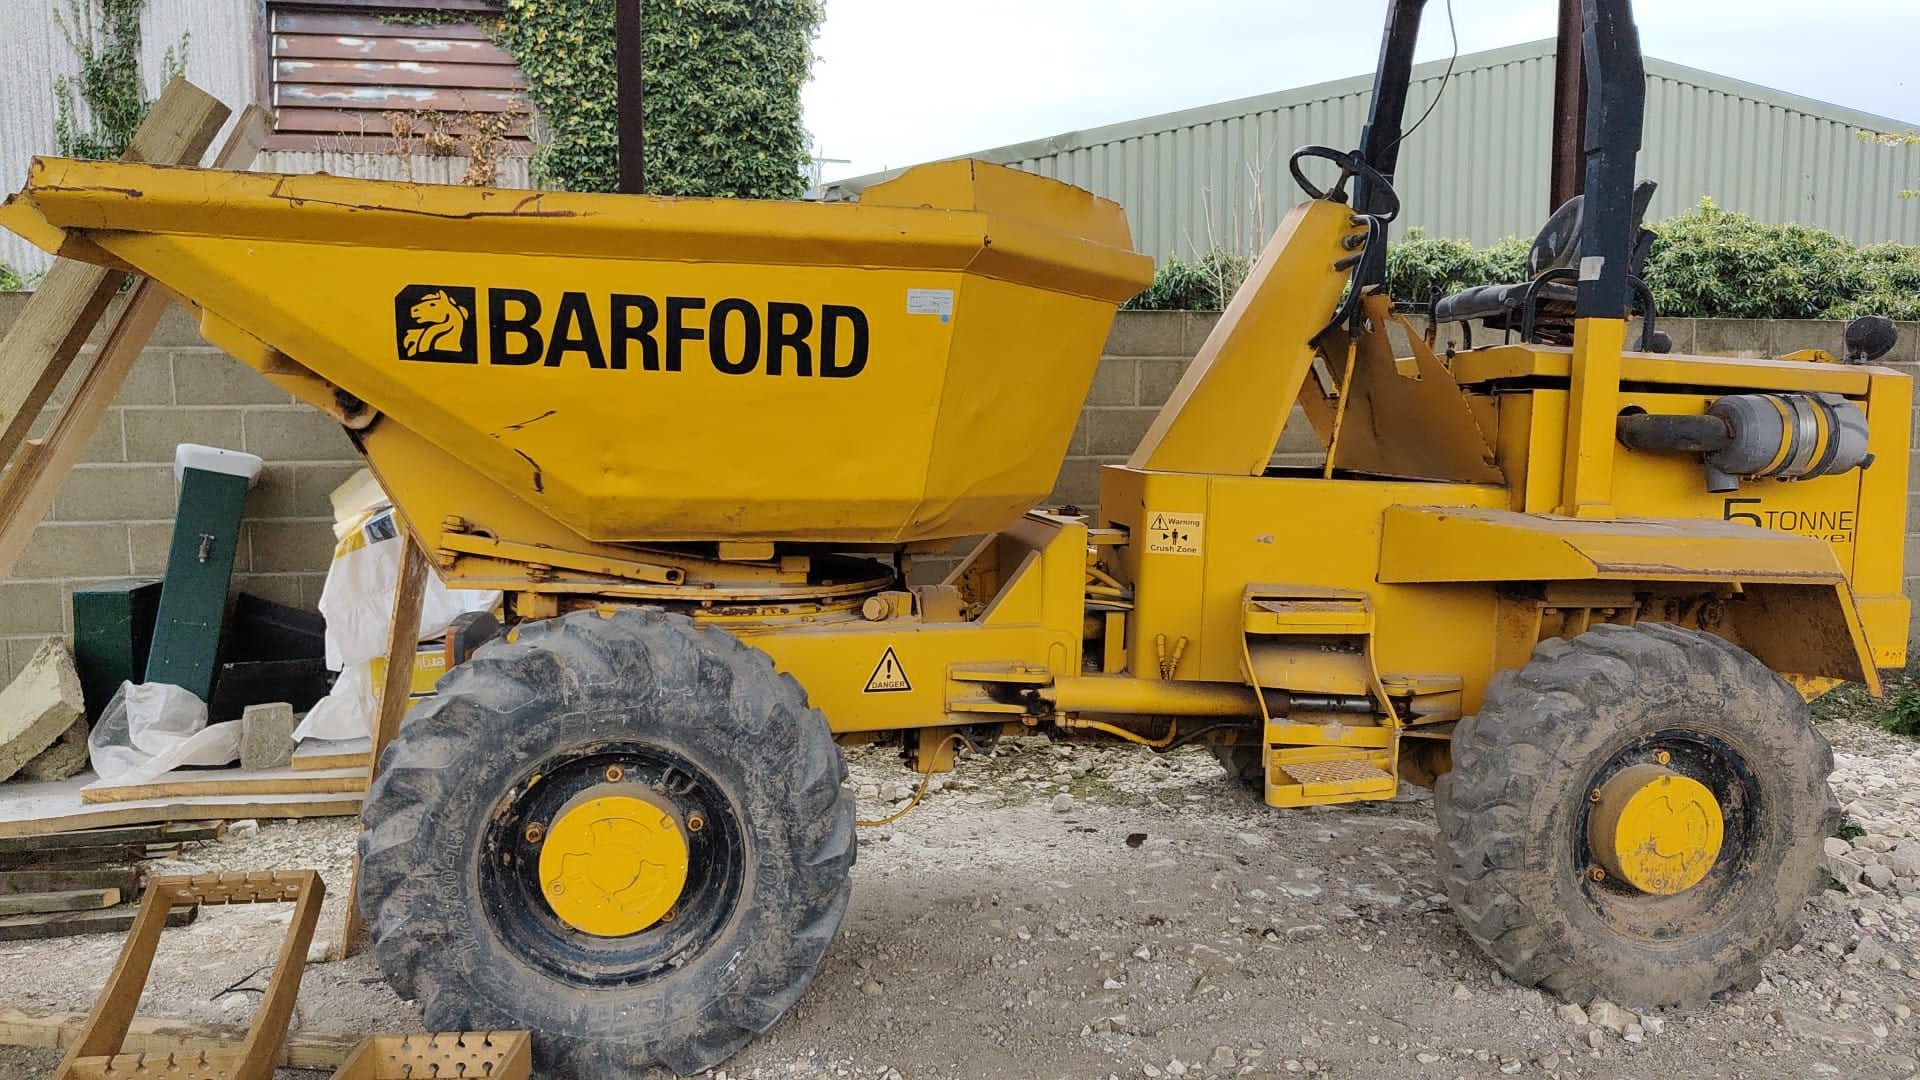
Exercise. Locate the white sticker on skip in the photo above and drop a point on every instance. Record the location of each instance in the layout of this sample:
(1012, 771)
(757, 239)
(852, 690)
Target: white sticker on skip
(930, 302)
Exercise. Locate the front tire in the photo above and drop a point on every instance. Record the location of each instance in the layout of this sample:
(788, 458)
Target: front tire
(637, 704)
(1529, 768)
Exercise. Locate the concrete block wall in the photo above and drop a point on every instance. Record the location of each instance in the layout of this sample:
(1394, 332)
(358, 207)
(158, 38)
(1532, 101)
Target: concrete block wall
(113, 518)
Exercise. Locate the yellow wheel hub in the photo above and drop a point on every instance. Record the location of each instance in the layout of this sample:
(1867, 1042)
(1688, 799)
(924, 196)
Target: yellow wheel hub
(613, 865)
(1655, 829)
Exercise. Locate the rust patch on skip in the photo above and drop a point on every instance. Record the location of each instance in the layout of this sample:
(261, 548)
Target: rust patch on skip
(472, 215)
(528, 422)
(539, 482)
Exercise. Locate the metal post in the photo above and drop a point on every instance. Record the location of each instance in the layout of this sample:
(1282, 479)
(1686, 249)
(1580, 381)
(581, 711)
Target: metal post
(629, 52)
(1569, 110)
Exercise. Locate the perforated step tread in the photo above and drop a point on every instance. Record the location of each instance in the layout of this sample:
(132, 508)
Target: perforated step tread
(1335, 772)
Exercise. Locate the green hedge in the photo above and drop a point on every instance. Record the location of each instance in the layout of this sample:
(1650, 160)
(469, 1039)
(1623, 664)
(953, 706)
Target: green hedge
(9, 278)
(723, 82)
(1706, 263)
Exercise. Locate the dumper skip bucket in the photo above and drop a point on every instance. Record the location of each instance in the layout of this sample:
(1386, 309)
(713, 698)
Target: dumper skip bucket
(903, 369)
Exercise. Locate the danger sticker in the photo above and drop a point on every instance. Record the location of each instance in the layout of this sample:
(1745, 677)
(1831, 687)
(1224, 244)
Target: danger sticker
(1174, 534)
(888, 676)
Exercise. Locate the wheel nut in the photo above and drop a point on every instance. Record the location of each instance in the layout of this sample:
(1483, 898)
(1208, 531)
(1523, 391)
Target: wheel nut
(1594, 795)
(668, 917)
(615, 773)
(1662, 757)
(1596, 874)
(534, 833)
(695, 822)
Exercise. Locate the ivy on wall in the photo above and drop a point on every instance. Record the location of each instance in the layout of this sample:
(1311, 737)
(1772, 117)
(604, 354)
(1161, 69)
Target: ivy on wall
(722, 101)
(105, 36)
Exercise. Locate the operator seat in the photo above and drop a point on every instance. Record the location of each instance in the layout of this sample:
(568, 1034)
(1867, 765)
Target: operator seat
(1555, 251)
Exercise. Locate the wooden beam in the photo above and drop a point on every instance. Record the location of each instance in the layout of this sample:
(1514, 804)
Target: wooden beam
(160, 1037)
(403, 641)
(61, 313)
(28, 488)
(40, 903)
(69, 923)
(203, 782)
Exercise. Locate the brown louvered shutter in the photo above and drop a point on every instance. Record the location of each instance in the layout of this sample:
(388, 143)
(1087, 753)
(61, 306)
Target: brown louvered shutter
(336, 72)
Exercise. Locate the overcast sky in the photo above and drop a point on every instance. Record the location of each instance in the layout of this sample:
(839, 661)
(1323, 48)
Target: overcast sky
(899, 82)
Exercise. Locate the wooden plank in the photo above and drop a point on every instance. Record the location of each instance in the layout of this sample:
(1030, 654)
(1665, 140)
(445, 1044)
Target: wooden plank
(420, 47)
(320, 22)
(73, 858)
(396, 688)
(159, 1036)
(69, 923)
(340, 754)
(197, 783)
(60, 314)
(350, 124)
(399, 74)
(379, 99)
(36, 810)
(27, 490)
(167, 832)
(37, 903)
(18, 882)
(40, 345)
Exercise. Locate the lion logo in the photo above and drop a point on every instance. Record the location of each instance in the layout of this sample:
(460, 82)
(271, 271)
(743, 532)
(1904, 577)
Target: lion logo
(435, 322)
(441, 320)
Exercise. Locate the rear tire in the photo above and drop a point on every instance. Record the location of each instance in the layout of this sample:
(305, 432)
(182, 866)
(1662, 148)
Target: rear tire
(1512, 815)
(1244, 765)
(692, 711)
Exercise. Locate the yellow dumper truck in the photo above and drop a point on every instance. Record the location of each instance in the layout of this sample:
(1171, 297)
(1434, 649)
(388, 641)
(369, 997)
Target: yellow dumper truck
(1581, 585)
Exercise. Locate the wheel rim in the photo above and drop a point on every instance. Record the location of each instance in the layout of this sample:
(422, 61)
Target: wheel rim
(1655, 829)
(614, 861)
(1704, 869)
(645, 848)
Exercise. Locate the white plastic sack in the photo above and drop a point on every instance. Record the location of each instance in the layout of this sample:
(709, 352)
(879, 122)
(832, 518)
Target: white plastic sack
(357, 602)
(153, 728)
(348, 709)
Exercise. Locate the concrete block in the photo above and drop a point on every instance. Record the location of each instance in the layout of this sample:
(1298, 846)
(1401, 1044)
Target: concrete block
(1731, 337)
(1790, 335)
(1907, 349)
(148, 543)
(1148, 333)
(1078, 484)
(67, 756)
(30, 608)
(1113, 381)
(94, 550)
(211, 377)
(178, 328)
(149, 383)
(41, 703)
(1117, 431)
(1682, 331)
(116, 492)
(266, 736)
(297, 491)
(106, 444)
(295, 433)
(279, 588)
(152, 434)
(1199, 325)
(1158, 378)
(295, 547)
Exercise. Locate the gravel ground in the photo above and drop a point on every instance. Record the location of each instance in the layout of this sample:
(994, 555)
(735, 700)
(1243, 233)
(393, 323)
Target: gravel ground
(1049, 912)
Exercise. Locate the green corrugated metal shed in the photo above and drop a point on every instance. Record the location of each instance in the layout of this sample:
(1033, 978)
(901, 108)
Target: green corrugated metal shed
(1478, 168)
